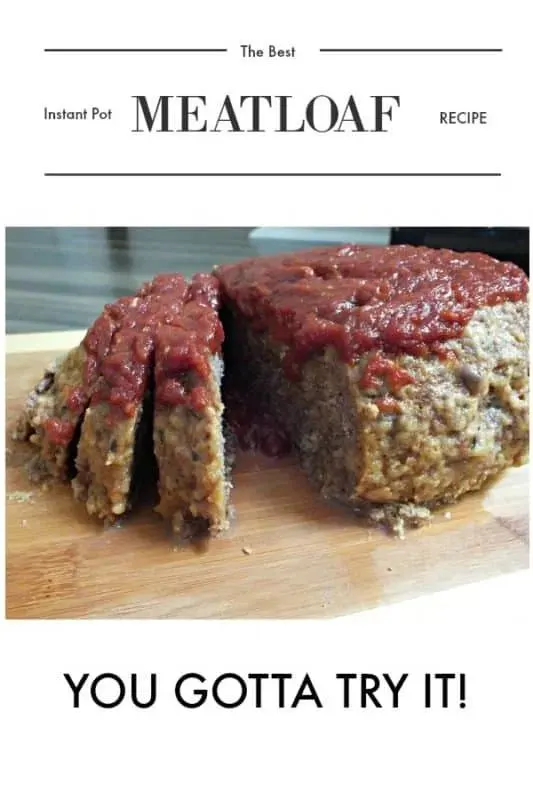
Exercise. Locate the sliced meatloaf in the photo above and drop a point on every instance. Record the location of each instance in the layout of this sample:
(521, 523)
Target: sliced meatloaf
(167, 345)
(400, 374)
(165, 340)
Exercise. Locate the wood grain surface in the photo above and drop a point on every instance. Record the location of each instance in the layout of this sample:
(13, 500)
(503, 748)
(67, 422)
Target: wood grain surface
(288, 553)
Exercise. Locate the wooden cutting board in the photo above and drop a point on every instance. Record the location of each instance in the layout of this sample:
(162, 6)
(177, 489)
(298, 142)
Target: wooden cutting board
(288, 553)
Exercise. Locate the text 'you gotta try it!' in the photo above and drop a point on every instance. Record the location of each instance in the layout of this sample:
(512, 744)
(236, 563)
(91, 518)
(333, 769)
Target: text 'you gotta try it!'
(271, 690)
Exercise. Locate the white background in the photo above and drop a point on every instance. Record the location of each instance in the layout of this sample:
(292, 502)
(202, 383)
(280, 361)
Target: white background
(483, 630)
(426, 83)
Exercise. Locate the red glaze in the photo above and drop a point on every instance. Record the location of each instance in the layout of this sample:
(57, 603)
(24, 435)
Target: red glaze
(380, 370)
(175, 321)
(184, 345)
(77, 400)
(398, 299)
(59, 432)
(387, 404)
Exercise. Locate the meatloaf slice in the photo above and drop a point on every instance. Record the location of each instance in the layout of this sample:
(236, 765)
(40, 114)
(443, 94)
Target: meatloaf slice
(190, 451)
(188, 430)
(395, 400)
(107, 443)
(54, 410)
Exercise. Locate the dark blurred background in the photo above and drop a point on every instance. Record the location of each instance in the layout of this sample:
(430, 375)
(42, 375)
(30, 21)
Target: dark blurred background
(60, 278)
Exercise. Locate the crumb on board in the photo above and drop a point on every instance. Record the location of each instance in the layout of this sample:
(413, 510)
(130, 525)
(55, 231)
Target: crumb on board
(23, 522)
(115, 524)
(447, 515)
(247, 551)
(20, 497)
(389, 569)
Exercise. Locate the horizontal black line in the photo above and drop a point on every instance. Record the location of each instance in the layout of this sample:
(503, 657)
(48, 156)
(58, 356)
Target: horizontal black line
(411, 50)
(225, 50)
(272, 174)
(135, 50)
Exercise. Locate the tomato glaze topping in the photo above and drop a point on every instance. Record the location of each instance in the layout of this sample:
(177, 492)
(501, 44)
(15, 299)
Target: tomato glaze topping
(357, 299)
(169, 319)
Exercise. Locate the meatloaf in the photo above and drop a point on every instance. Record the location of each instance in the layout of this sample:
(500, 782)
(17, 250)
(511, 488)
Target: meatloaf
(165, 342)
(399, 373)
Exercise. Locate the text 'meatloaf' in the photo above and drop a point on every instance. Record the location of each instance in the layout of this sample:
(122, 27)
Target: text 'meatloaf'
(261, 113)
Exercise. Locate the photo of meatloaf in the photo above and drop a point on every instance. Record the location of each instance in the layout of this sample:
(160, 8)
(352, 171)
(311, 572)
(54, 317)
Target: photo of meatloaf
(400, 373)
